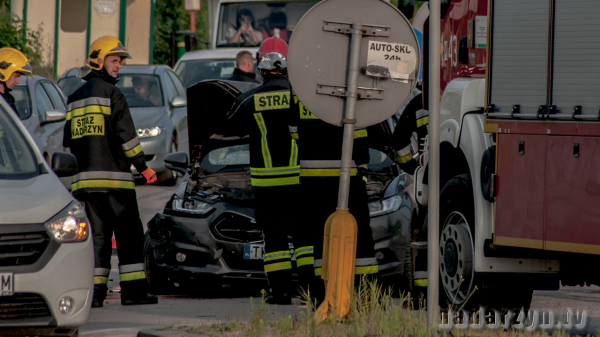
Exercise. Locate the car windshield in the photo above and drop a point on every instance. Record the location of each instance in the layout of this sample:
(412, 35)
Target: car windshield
(194, 71)
(17, 159)
(244, 24)
(379, 161)
(226, 158)
(22, 101)
(68, 85)
(141, 91)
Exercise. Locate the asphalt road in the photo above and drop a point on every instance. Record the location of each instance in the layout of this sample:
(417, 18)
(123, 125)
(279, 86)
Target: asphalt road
(121, 321)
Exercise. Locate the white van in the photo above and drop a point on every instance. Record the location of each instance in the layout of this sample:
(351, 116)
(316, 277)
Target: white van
(46, 251)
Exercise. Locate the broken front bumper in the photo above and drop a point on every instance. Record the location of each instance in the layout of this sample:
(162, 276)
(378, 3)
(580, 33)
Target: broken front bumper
(206, 250)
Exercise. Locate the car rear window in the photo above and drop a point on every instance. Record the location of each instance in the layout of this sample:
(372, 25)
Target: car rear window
(194, 71)
(22, 101)
(141, 90)
(68, 85)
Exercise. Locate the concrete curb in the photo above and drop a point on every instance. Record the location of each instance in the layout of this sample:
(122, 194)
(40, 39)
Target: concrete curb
(171, 332)
(165, 333)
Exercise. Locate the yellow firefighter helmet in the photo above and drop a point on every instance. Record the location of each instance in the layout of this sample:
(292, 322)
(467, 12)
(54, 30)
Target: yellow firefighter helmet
(104, 46)
(11, 61)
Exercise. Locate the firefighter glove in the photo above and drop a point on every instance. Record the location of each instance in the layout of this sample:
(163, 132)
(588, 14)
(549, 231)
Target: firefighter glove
(149, 175)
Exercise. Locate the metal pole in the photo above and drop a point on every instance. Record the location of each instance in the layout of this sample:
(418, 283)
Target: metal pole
(433, 215)
(193, 21)
(351, 86)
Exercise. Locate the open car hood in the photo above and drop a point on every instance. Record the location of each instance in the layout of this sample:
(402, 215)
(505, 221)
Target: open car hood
(207, 104)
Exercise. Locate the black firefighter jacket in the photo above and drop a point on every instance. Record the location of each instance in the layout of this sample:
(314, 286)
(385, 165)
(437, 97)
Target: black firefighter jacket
(414, 122)
(101, 134)
(321, 144)
(263, 114)
(242, 76)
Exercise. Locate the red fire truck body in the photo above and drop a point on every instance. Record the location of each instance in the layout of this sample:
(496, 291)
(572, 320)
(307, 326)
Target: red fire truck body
(520, 129)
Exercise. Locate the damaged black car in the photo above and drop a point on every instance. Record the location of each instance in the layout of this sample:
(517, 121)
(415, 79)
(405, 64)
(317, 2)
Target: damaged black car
(207, 236)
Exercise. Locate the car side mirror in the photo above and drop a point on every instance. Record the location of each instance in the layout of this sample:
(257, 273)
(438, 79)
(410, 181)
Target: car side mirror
(177, 162)
(178, 102)
(52, 116)
(64, 164)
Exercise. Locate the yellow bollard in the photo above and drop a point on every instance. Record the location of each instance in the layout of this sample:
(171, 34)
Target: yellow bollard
(339, 258)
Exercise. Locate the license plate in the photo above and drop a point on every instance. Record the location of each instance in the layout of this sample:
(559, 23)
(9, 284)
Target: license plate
(7, 284)
(254, 251)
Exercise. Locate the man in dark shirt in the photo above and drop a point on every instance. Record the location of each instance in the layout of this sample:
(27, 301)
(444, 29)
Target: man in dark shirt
(244, 65)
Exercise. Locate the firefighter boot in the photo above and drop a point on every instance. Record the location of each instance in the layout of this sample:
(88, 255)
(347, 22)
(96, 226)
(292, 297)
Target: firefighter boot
(100, 291)
(136, 292)
(280, 292)
(420, 280)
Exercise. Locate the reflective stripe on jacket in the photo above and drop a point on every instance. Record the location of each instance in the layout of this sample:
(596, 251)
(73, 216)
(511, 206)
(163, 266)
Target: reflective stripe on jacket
(100, 133)
(414, 121)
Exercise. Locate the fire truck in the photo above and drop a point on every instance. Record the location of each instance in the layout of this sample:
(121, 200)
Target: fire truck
(520, 149)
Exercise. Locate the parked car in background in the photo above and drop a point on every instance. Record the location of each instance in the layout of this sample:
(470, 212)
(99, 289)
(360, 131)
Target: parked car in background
(42, 108)
(207, 232)
(69, 82)
(157, 101)
(46, 250)
(206, 64)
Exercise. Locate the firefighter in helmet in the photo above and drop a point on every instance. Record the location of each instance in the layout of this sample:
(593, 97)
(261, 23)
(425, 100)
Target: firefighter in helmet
(320, 146)
(13, 64)
(263, 114)
(101, 134)
(408, 139)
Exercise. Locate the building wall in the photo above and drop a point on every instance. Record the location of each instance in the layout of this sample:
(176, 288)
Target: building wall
(72, 34)
(104, 24)
(40, 14)
(73, 27)
(138, 31)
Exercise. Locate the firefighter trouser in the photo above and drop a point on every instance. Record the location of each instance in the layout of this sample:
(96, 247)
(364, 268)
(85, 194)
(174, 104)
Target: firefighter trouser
(277, 215)
(116, 212)
(319, 198)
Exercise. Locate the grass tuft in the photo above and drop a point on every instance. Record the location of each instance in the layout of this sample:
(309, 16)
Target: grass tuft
(374, 313)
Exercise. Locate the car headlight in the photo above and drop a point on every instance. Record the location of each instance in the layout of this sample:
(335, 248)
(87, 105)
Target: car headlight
(385, 206)
(70, 225)
(149, 132)
(191, 206)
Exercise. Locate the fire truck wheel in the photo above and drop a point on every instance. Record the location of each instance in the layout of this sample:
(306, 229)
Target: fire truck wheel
(457, 276)
(460, 286)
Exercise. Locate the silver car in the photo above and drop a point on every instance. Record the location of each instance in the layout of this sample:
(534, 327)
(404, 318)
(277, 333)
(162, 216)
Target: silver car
(46, 250)
(157, 100)
(216, 64)
(42, 109)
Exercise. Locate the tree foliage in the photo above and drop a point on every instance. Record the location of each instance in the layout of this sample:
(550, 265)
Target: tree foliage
(171, 16)
(30, 42)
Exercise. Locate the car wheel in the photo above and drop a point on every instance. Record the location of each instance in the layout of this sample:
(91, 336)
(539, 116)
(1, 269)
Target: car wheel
(157, 282)
(168, 177)
(460, 286)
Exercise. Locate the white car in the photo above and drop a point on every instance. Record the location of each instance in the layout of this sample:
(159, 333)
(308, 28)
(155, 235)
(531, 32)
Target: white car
(210, 64)
(46, 251)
